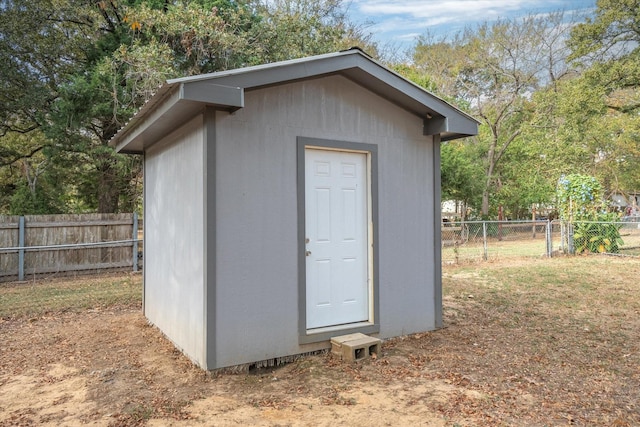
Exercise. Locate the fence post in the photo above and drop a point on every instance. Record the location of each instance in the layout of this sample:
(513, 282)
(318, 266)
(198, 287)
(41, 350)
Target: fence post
(549, 239)
(135, 242)
(21, 249)
(484, 239)
(571, 247)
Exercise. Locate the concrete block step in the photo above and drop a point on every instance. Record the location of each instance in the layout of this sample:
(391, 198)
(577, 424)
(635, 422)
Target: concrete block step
(355, 347)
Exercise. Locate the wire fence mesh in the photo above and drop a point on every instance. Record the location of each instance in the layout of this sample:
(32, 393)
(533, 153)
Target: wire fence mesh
(617, 238)
(462, 242)
(485, 240)
(42, 297)
(488, 240)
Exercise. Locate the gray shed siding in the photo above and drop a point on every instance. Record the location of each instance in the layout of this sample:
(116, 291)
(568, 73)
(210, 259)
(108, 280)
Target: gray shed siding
(256, 267)
(174, 241)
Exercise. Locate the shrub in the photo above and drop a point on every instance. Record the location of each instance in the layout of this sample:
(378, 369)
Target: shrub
(581, 202)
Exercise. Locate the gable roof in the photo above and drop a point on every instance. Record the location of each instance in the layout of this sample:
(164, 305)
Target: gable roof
(180, 99)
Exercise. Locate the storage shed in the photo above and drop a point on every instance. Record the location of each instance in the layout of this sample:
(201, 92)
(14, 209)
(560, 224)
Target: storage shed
(289, 203)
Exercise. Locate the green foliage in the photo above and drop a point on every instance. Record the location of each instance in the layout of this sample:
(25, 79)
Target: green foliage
(38, 47)
(75, 72)
(28, 182)
(296, 28)
(612, 32)
(461, 176)
(540, 118)
(607, 46)
(579, 197)
(580, 201)
(598, 237)
(437, 63)
(494, 68)
(25, 202)
(61, 43)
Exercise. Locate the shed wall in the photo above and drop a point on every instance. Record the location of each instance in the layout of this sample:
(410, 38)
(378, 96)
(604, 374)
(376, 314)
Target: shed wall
(174, 242)
(256, 213)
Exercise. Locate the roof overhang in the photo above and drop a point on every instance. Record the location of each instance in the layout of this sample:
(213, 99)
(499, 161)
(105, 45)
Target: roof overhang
(180, 99)
(173, 103)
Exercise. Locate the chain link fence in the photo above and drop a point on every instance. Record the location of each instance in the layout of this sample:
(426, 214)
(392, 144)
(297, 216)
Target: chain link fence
(485, 240)
(470, 241)
(489, 240)
(617, 238)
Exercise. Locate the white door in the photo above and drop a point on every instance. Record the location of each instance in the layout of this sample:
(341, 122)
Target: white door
(336, 224)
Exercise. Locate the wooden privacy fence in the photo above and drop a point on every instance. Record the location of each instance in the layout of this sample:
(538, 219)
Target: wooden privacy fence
(45, 244)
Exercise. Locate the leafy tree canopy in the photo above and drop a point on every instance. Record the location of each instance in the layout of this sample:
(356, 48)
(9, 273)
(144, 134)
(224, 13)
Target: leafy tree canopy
(76, 71)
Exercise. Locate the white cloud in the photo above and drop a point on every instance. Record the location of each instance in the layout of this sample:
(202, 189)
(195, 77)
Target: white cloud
(403, 19)
(449, 8)
(424, 8)
(408, 37)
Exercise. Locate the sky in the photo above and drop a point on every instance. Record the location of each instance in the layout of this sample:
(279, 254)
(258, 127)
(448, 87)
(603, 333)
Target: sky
(397, 23)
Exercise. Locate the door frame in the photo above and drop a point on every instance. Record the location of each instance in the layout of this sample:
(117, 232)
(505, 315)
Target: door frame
(373, 324)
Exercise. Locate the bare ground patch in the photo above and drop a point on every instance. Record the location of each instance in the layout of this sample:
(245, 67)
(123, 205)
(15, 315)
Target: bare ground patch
(546, 342)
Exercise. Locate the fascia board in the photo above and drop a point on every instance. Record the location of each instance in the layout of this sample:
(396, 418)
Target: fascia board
(213, 94)
(365, 72)
(226, 90)
(181, 103)
(293, 71)
(444, 117)
(450, 127)
(129, 140)
(264, 68)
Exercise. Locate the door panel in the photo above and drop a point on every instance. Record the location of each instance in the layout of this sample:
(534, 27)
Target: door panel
(336, 224)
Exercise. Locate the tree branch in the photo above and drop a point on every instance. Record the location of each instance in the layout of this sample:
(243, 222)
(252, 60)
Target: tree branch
(624, 108)
(20, 157)
(506, 145)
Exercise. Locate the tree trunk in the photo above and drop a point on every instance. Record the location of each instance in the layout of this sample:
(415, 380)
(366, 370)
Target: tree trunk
(108, 189)
(492, 160)
(485, 202)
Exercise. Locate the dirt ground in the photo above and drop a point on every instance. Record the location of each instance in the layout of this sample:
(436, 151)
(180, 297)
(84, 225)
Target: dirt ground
(491, 365)
(112, 368)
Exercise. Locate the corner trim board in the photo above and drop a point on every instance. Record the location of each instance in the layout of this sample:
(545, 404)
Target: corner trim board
(210, 256)
(437, 235)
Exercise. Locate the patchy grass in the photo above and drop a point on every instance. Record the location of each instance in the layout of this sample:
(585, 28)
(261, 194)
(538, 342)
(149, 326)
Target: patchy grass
(34, 298)
(519, 245)
(473, 250)
(530, 342)
(565, 331)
